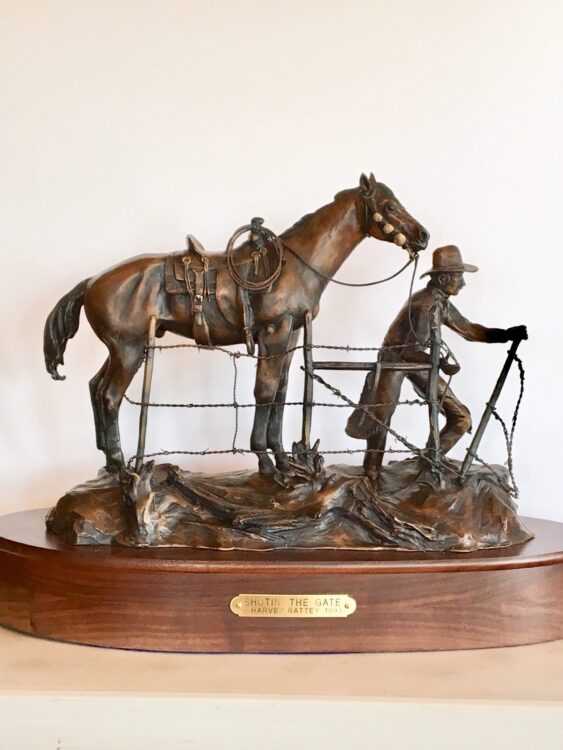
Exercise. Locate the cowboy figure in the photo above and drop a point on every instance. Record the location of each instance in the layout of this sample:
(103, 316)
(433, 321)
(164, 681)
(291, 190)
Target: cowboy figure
(406, 341)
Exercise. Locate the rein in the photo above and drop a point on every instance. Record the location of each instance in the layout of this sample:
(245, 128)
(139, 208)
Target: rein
(413, 257)
(346, 283)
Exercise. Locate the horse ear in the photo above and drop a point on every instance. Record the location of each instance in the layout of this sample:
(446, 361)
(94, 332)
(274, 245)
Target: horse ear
(365, 186)
(372, 181)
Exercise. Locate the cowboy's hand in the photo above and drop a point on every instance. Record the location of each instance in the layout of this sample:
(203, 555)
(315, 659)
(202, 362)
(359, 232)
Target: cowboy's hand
(449, 368)
(517, 333)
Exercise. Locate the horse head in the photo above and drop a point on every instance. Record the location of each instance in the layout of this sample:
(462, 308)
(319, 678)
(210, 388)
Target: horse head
(387, 219)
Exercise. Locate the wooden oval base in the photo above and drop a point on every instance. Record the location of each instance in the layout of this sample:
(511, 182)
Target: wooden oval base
(174, 599)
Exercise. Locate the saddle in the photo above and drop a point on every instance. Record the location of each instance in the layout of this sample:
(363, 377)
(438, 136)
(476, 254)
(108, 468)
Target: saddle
(196, 273)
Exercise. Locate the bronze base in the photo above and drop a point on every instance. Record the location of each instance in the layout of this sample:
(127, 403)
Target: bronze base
(337, 508)
(175, 599)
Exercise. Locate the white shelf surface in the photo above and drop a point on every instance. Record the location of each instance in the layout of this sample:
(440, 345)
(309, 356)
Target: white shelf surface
(59, 696)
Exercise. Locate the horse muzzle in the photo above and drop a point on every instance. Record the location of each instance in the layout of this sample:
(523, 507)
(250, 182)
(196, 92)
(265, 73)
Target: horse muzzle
(421, 242)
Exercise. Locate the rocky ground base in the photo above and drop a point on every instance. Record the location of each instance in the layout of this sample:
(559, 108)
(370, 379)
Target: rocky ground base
(165, 506)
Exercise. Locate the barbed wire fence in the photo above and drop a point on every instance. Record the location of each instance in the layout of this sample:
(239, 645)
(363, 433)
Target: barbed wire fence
(344, 403)
(236, 405)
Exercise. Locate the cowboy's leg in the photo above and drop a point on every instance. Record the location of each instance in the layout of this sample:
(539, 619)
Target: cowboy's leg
(458, 418)
(386, 395)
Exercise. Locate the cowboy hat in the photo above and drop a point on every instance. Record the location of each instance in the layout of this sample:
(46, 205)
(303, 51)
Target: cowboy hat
(448, 259)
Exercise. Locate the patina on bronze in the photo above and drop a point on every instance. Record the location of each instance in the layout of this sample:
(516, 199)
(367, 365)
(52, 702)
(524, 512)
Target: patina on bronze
(261, 293)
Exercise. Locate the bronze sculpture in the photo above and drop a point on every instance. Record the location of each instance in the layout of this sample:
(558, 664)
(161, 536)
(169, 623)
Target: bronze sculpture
(263, 292)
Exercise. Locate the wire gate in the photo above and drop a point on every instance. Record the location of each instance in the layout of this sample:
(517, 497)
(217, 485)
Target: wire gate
(430, 454)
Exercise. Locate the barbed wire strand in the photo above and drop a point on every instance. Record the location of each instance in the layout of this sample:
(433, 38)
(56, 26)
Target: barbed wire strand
(248, 451)
(509, 436)
(290, 350)
(252, 405)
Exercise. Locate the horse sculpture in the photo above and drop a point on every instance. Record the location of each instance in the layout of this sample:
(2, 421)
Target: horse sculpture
(120, 302)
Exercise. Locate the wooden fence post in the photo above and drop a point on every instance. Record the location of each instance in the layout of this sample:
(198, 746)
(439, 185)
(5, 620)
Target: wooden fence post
(434, 411)
(145, 398)
(308, 386)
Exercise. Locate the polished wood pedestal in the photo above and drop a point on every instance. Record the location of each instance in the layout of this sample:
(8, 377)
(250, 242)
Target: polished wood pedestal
(173, 599)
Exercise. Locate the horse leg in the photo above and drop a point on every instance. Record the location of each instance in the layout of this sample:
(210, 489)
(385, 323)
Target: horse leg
(275, 422)
(98, 421)
(273, 341)
(122, 366)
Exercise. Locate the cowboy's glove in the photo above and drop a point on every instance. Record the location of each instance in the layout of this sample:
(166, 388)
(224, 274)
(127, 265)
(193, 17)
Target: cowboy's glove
(517, 333)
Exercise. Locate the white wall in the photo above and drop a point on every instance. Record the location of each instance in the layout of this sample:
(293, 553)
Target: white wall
(126, 124)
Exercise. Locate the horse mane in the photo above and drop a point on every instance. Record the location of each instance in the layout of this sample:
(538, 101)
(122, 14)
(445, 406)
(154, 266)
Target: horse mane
(317, 216)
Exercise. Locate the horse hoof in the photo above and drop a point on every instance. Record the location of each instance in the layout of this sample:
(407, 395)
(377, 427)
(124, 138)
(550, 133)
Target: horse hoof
(266, 467)
(284, 479)
(283, 464)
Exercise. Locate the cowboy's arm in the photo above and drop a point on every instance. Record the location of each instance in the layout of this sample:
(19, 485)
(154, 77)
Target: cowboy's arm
(476, 332)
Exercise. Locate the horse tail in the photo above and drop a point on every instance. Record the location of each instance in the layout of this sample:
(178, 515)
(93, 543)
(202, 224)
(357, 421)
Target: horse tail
(60, 326)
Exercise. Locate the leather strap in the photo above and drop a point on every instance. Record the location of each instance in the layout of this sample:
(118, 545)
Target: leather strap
(200, 327)
(247, 319)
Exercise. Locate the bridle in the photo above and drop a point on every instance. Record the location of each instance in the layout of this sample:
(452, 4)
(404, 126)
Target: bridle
(371, 211)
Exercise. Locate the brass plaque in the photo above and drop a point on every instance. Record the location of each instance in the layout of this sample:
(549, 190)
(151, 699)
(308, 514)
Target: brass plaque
(293, 605)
